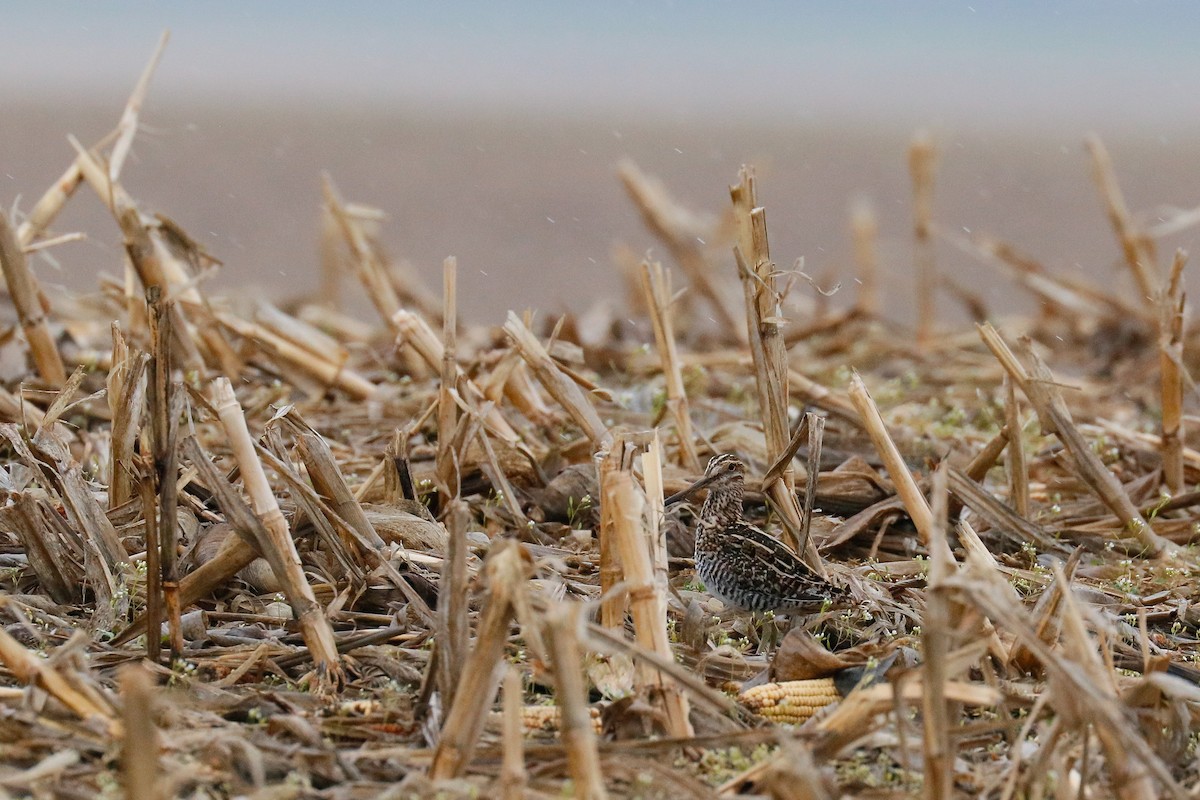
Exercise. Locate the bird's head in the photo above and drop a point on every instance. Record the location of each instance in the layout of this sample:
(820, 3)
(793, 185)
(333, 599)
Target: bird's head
(724, 471)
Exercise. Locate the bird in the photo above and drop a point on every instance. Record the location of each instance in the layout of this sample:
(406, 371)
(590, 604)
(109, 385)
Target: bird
(742, 565)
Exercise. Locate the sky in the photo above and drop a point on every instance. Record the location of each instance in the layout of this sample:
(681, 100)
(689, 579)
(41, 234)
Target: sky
(1022, 62)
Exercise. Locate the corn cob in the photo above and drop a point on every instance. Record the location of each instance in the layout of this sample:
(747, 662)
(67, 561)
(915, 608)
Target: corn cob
(546, 719)
(790, 702)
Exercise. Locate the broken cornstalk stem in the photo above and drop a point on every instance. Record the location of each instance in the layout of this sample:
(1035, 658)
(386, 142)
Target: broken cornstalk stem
(1056, 419)
(865, 231)
(906, 487)
(513, 776)
(314, 626)
(656, 285)
(165, 407)
(139, 748)
(816, 432)
(453, 605)
(506, 573)
(414, 331)
(936, 626)
(1136, 247)
(31, 307)
(922, 157)
(126, 385)
(619, 458)
(447, 416)
(1170, 344)
(1018, 479)
(764, 315)
(578, 736)
(668, 222)
(647, 597)
(370, 269)
(154, 603)
(556, 382)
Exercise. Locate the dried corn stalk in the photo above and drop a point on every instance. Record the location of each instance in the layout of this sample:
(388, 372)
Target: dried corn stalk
(313, 624)
(764, 319)
(31, 306)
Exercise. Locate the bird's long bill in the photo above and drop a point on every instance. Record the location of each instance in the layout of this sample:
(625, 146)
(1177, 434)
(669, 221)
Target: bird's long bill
(689, 491)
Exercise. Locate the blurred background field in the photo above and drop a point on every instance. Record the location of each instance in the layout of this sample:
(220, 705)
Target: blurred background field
(492, 131)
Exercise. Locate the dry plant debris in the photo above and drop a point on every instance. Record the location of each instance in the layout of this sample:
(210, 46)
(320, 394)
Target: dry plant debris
(293, 555)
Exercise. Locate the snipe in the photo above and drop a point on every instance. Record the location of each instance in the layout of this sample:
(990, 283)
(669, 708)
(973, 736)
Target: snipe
(742, 565)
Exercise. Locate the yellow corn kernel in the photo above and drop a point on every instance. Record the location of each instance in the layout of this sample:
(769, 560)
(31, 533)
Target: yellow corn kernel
(790, 702)
(547, 719)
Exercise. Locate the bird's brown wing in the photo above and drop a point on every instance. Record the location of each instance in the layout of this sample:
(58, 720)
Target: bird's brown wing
(775, 567)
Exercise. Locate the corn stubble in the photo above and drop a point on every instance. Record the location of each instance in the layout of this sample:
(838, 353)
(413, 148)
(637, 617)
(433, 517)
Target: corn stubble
(381, 607)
